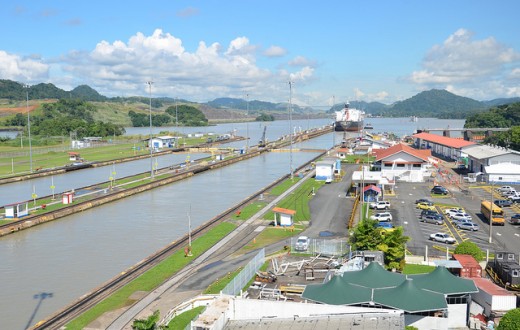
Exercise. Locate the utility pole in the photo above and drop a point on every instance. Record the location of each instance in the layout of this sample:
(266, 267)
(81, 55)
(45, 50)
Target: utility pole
(247, 124)
(291, 129)
(29, 127)
(151, 144)
(333, 123)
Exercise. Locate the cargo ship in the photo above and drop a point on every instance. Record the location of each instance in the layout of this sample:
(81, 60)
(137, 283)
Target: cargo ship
(349, 119)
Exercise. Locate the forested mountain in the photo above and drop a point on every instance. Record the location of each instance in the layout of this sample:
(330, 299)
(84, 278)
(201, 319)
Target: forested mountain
(501, 116)
(254, 105)
(433, 103)
(436, 103)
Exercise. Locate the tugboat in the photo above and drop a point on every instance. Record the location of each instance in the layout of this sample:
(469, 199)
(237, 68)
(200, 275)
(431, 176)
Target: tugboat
(368, 126)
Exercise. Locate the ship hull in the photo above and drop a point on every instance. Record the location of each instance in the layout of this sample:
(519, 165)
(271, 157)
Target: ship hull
(348, 126)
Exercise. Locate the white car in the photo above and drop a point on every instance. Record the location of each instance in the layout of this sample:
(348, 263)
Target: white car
(380, 205)
(443, 238)
(302, 243)
(382, 216)
(506, 188)
(461, 216)
(450, 212)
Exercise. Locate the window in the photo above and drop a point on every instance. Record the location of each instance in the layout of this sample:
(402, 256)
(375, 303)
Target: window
(510, 256)
(514, 273)
(416, 165)
(400, 165)
(500, 256)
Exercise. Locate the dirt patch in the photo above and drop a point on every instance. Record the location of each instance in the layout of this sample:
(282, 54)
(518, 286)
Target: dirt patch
(8, 111)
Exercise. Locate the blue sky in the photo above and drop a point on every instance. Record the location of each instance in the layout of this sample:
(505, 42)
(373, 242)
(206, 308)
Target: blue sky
(199, 50)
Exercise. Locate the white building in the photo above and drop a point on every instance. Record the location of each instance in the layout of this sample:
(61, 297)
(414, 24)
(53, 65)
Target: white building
(160, 142)
(404, 163)
(325, 169)
(482, 155)
(503, 173)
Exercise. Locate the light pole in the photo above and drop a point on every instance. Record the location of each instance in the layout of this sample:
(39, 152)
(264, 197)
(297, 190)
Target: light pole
(491, 211)
(247, 123)
(291, 130)
(334, 123)
(151, 143)
(29, 127)
(176, 121)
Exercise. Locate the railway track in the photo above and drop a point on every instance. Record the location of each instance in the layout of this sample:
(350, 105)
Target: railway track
(83, 304)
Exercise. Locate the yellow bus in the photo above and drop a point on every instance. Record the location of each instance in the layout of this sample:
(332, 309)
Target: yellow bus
(496, 217)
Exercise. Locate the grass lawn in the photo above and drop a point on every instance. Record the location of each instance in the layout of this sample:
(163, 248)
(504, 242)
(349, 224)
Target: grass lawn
(181, 321)
(417, 269)
(358, 159)
(249, 210)
(154, 277)
(298, 200)
(269, 236)
(282, 187)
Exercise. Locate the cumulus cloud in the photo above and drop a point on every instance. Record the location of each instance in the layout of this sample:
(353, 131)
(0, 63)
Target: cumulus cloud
(212, 70)
(464, 64)
(275, 51)
(16, 68)
(301, 61)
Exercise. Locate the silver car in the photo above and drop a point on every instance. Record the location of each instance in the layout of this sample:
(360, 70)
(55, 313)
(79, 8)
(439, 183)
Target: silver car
(468, 225)
(432, 219)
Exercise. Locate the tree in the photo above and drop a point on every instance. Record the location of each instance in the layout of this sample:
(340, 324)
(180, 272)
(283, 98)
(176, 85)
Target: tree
(510, 321)
(367, 236)
(469, 248)
(149, 323)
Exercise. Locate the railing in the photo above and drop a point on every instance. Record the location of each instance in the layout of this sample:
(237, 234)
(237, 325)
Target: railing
(239, 282)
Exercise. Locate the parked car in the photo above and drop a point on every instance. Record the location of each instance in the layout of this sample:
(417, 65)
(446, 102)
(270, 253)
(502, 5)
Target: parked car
(420, 200)
(385, 225)
(439, 190)
(514, 199)
(430, 212)
(506, 194)
(502, 202)
(461, 216)
(468, 225)
(426, 206)
(382, 216)
(450, 212)
(515, 219)
(506, 188)
(432, 219)
(302, 243)
(380, 205)
(443, 238)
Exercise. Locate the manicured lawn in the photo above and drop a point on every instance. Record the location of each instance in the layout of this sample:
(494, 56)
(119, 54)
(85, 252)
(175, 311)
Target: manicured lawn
(154, 277)
(181, 321)
(282, 187)
(417, 269)
(220, 283)
(269, 236)
(249, 210)
(298, 200)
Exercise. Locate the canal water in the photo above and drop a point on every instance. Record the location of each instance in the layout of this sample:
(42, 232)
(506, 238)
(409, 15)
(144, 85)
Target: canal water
(66, 258)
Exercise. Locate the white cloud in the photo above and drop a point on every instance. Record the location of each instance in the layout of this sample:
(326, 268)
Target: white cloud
(474, 68)
(301, 61)
(212, 70)
(188, 12)
(275, 51)
(20, 69)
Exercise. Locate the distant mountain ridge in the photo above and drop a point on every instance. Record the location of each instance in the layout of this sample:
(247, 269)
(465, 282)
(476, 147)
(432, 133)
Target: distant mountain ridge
(433, 103)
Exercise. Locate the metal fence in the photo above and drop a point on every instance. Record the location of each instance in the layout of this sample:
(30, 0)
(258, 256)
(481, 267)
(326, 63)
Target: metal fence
(240, 281)
(323, 246)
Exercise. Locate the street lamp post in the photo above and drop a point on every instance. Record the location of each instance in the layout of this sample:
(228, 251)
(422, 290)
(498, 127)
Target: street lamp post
(29, 128)
(151, 144)
(247, 123)
(291, 129)
(176, 121)
(334, 123)
(491, 211)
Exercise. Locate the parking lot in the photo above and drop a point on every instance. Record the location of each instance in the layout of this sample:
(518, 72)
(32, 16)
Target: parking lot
(405, 213)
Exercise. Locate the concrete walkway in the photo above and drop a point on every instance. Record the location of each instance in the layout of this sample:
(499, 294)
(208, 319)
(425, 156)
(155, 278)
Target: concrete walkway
(126, 318)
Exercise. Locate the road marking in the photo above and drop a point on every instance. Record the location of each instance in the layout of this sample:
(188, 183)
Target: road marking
(498, 234)
(516, 234)
(406, 222)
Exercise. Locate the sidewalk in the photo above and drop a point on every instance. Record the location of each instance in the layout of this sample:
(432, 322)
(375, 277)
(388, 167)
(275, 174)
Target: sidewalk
(142, 309)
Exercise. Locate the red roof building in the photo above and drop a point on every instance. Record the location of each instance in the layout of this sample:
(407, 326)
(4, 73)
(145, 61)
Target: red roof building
(402, 162)
(441, 145)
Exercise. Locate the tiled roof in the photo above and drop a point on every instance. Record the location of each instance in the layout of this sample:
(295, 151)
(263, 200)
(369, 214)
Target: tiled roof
(383, 153)
(284, 211)
(444, 140)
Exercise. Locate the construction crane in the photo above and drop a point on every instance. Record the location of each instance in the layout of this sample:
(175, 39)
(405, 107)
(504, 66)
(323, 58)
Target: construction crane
(263, 142)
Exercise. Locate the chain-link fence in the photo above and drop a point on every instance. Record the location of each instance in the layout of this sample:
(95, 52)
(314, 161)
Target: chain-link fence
(239, 282)
(322, 246)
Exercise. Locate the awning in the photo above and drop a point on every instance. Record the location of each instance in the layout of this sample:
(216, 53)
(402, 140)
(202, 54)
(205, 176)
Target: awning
(372, 187)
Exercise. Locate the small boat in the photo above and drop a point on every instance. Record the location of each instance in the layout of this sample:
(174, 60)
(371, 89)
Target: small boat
(414, 119)
(368, 126)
